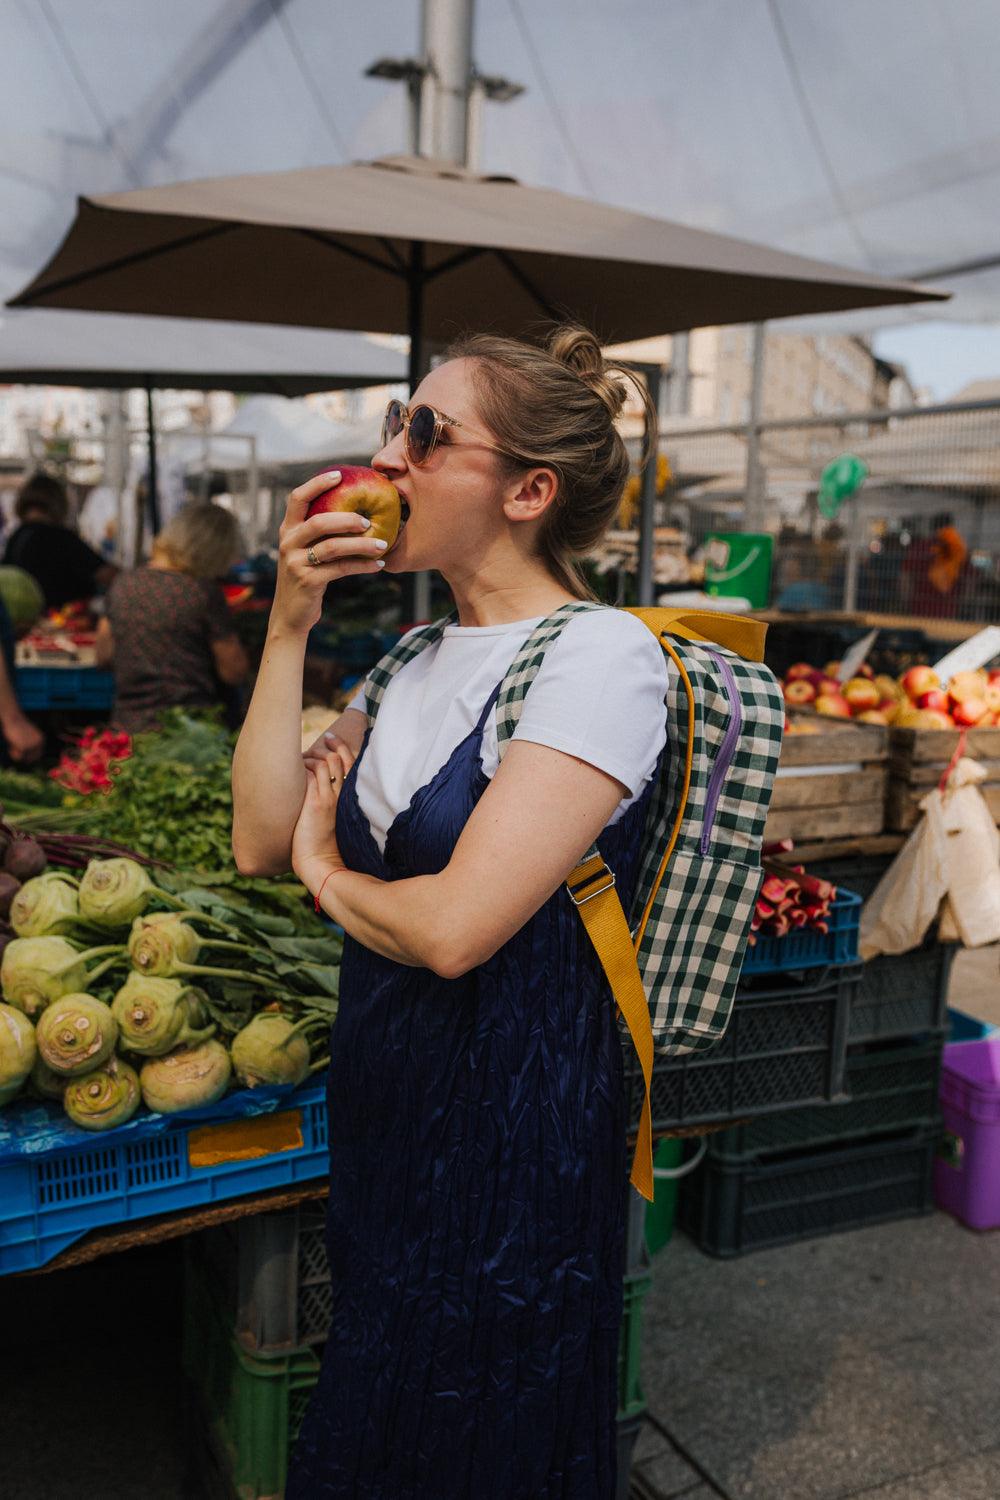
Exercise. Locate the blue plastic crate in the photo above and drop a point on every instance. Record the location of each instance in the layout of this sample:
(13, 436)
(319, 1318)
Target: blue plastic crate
(52, 1199)
(806, 949)
(64, 687)
(963, 1028)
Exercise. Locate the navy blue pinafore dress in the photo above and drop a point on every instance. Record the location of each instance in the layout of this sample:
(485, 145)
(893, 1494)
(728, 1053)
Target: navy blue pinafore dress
(478, 1179)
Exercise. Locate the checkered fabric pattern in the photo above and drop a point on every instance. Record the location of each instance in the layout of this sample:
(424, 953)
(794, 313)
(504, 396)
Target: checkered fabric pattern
(694, 941)
(693, 945)
(405, 650)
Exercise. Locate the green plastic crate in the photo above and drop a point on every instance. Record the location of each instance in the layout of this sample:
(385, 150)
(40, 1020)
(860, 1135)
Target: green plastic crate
(630, 1398)
(251, 1406)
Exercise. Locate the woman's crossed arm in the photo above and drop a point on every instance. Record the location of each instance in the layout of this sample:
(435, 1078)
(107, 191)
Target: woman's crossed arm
(538, 817)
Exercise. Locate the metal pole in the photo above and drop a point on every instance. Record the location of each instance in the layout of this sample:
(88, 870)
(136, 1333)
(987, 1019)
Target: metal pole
(447, 51)
(154, 503)
(753, 509)
(254, 506)
(474, 124)
(855, 533)
(644, 581)
(678, 385)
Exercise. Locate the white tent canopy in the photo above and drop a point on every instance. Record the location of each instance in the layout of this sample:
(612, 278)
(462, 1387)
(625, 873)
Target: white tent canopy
(113, 351)
(287, 432)
(865, 132)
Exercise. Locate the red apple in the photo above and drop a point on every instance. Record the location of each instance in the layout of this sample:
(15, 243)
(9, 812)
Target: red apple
(994, 676)
(861, 693)
(366, 493)
(968, 712)
(829, 685)
(831, 669)
(799, 669)
(919, 680)
(799, 691)
(937, 699)
(833, 705)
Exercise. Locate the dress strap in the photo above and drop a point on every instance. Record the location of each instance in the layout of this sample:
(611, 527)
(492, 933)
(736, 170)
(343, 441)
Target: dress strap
(488, 707)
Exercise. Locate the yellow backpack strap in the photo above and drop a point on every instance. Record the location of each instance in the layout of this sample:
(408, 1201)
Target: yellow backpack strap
(735, 632)
(604, 919)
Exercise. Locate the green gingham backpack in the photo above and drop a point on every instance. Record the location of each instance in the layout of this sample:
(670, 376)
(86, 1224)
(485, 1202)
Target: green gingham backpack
(673, 962)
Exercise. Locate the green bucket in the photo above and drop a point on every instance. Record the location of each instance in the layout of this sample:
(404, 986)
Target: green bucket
(738, 565)
(668, 1169)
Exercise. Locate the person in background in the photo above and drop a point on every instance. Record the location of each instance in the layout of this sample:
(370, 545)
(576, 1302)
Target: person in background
(936, 571)
(44, 545)
(21, 741)
(168, 633)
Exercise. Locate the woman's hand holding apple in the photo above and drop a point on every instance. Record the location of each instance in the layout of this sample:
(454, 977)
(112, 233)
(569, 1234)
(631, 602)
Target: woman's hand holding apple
(339, 539)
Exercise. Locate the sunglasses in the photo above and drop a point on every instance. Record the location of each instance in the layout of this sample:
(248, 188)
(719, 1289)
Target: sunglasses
(422, 428)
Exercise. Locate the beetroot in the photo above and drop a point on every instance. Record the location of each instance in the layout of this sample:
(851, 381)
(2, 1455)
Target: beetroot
(9, 887)
(25, 858)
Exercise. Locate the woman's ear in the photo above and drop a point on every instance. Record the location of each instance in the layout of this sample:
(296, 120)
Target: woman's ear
(531, 495)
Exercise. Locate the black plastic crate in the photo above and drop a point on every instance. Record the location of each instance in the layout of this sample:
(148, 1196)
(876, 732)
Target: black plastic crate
(903, 994)
(730, 1207)
(891, 1088)
(271, 1278)
(785, 1046)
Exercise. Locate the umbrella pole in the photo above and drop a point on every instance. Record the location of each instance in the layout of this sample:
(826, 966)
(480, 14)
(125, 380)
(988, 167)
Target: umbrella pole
(154, 505)
(417, 588)
(647, 546)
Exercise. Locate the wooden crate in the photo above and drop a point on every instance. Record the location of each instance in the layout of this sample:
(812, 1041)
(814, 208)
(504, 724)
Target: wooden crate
(830, 803)
(918, 758)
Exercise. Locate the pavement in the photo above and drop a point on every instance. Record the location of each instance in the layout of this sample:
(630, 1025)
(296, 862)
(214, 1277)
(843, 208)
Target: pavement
(866, 1363)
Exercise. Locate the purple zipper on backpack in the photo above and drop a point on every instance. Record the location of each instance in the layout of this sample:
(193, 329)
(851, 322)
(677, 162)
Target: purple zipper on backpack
(724, 758)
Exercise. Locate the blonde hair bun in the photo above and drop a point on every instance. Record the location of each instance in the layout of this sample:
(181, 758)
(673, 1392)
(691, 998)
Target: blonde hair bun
(578, 349)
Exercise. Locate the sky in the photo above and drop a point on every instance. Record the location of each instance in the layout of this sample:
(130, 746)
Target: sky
(943, 357)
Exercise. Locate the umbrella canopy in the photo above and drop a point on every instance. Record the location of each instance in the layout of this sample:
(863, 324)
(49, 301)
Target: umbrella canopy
(406, 245)
(118, 353)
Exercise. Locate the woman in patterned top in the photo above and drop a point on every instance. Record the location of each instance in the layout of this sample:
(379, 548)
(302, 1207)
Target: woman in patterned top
(168, 633)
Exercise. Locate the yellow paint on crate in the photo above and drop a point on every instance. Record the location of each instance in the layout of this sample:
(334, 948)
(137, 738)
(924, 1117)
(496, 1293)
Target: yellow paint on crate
(245, 1140)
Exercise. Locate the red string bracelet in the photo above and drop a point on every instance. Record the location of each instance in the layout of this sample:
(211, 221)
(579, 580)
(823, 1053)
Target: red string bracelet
(319, 893)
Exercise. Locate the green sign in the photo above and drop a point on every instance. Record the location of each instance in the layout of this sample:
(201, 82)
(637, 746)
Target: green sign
(839, 481)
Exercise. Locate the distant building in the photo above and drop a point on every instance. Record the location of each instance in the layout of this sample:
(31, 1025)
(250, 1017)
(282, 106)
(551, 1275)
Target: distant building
(804, 375)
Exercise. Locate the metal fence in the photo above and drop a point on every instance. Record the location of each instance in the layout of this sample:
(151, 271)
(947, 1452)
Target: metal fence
(921, 536)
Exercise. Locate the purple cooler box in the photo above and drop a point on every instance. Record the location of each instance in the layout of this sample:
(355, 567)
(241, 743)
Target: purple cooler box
(967, 1170)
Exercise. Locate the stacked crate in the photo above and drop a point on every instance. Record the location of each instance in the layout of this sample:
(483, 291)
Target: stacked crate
(862, 1160)
(258, 1303)
(257, 1307)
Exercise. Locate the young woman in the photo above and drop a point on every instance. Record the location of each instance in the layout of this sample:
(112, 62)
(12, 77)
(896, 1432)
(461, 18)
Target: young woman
(477, 1119)
(168, 632)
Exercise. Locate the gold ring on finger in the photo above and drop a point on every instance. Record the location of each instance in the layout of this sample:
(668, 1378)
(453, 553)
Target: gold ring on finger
(312, 557)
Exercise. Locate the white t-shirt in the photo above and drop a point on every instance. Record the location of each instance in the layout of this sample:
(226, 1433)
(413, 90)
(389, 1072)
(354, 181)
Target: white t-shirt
(598, 695)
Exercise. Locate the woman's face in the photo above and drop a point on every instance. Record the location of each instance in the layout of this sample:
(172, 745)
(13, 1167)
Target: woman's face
(456, 499)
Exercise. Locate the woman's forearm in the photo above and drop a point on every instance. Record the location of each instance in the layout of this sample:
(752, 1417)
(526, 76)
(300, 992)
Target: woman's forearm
(400, 919)
(269, 779)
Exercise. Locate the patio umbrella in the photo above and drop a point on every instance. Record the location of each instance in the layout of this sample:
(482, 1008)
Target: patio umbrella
(407, 245)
